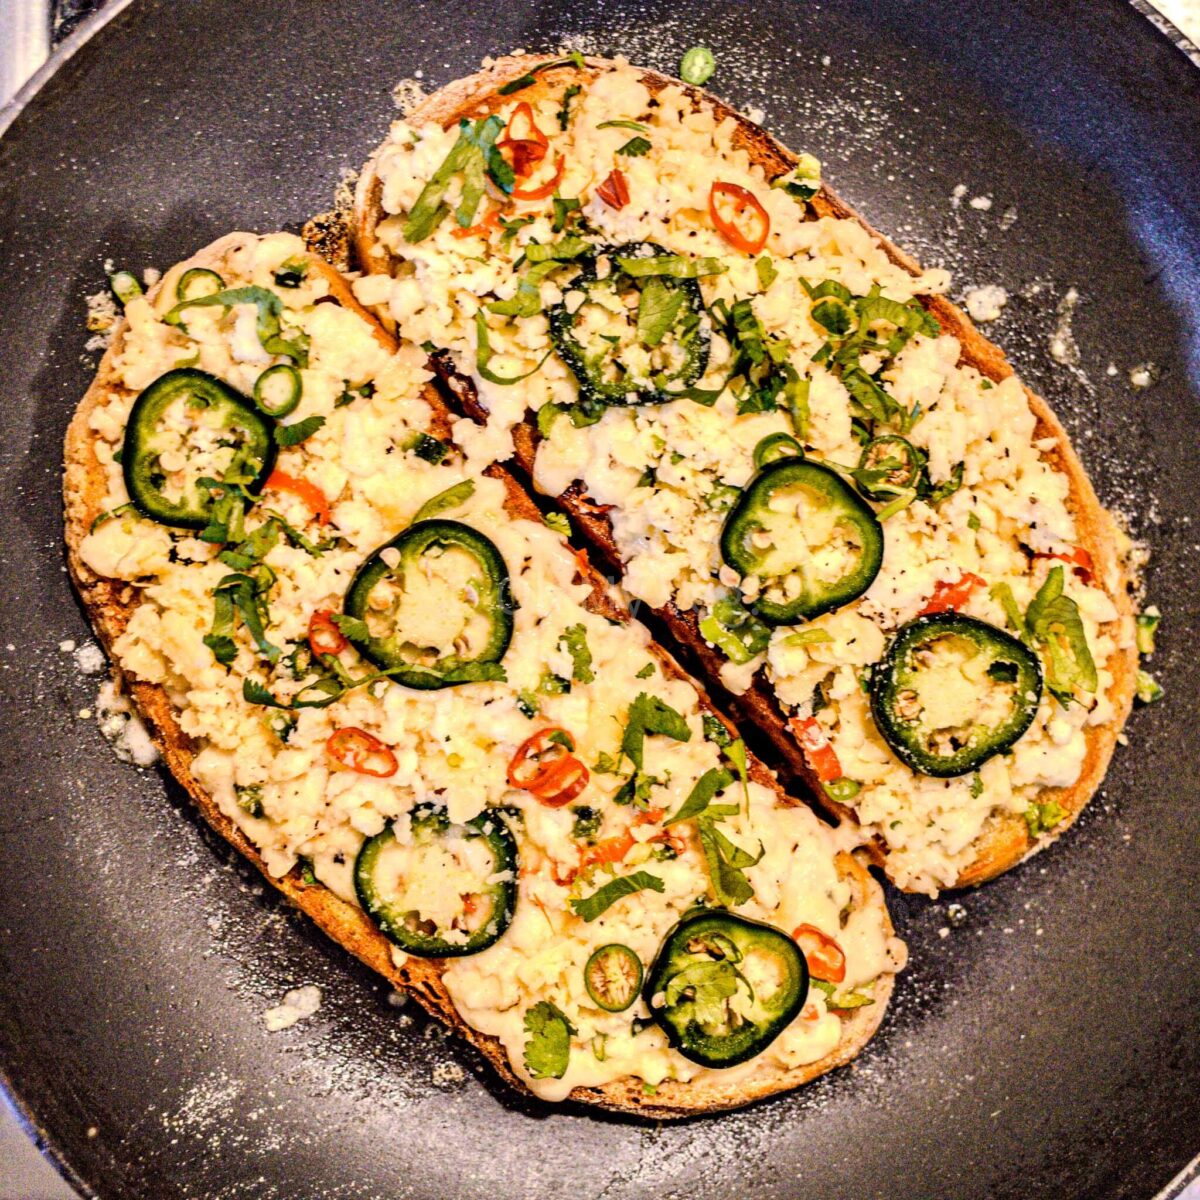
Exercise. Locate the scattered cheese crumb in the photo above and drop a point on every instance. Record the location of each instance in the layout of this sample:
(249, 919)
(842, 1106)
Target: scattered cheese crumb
(982, 203)
(66, 646)
(825, 60)
(408, 94)
(960, 190)
(1062, 341)
(1144, 375)
(297, 1004)
(85, 714)
(1009, 219)
(102, 315)
(123, 729)
(446, 1073)
(984, 303)
(756, 115)
(89, 658)
(944, 932)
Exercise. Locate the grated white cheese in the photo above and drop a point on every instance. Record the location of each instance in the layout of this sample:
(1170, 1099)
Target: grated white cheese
(985, 303)
(297, 1005)
(123, 728)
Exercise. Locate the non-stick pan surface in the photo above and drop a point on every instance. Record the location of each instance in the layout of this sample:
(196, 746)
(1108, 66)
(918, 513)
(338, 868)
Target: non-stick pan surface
(1046, 1046)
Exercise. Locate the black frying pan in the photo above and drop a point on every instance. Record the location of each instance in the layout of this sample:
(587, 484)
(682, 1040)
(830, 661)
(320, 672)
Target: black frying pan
(1046, 1048)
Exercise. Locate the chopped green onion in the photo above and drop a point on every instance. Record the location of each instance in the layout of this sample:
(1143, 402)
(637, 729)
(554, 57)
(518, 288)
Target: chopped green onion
(842, 791)
(808, 637)
(517, 85)
(483, 356)
(1148, 688)
(124, 286)
(277, 390)
(1147, 625)
(697, 65)
(636, 126)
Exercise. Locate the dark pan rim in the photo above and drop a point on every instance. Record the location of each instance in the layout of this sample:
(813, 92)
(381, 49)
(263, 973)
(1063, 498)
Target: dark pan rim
(43, 1139)
(66, 50)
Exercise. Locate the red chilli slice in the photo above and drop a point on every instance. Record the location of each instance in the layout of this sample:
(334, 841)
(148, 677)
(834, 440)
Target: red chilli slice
(360, 751)
(281, 481)
(950, 597)
(547, 189)
(818, 753)
(826, 959)
(324, 637)
(614, 191)
(547, 769)
(1079, 559)
(523, 142)
(747, 236)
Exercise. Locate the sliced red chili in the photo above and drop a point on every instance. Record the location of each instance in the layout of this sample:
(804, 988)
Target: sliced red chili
(281, 481)
(324, 637)
(360, 751)
(747, 235)
(566, 778)
(546, 768)
(826, 959)
(1078, 557)
(610, 850)
(547, 189)
(524, 144)
(950, 597)
(614, 191)
(818, 753)
(483, 228)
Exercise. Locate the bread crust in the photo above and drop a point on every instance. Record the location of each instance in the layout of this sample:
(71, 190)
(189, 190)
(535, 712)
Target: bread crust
(111, 603)
(1005, 840)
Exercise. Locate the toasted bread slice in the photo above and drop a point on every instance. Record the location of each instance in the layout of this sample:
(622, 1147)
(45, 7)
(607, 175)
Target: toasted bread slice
(1006, 838)
(110, 605)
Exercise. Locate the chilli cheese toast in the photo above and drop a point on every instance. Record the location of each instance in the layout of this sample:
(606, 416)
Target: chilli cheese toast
(790, 445)
(403, 696)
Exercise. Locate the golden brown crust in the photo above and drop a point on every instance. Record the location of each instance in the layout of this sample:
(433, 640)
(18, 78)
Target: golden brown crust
(110, 604)
(1006, 840)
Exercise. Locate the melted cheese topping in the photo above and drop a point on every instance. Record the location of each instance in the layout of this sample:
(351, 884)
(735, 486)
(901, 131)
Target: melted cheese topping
(660, 466)
(276, 781)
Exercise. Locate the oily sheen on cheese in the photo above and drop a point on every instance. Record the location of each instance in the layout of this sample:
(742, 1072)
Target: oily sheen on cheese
(658, 466)
(452, 746)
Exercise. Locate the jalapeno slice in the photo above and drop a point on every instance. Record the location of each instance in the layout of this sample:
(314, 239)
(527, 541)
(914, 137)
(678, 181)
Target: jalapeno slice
(613, 977)
(187, 426)
(436, 605)
(897, 461)
(630, 355)
(277, 390)
(724, 987)
(774, 447)
(471, 868)
(952, 691)
(809, 539)
(196, 282)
